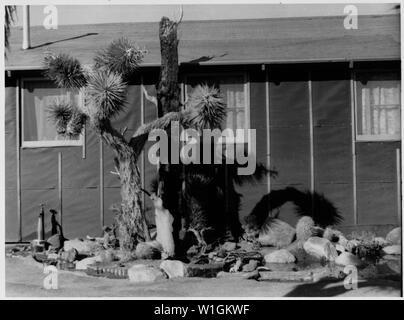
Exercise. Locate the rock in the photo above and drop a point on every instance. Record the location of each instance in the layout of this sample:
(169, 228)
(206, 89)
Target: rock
(320, 248)
(83, 247)
(394, 249)
(229, 246)
(209, 270)
(265, 250)
(394, 236)
(53, 256)
(69, 255)
(55, 241)
(174, 268)
(147, 250)
(304, 228)
(144, 273)
(280, 256)
(351, 245)
(346, 259)
(82, 264)
(251, 266)
(107, 256)
(332, 235)
(246, 245)
(381, 241)
(276, 233)
(343, 241)
(339, 248)
(192, 251)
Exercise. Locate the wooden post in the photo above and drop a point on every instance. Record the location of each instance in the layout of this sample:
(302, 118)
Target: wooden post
(18, 156)
(101, 183)
(268, 123)
(398, 171)
(60, 186)
(353, 130)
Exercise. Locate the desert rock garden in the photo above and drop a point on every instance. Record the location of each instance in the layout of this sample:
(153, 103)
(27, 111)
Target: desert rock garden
(311, 254)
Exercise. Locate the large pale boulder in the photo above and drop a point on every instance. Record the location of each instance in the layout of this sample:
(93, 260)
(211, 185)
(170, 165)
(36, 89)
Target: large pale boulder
(394, 236)
(280, 256)
(174, 268)
(276, 233)
(83, 264)
(320, 248)
(83, 247)
(394, 249)
(348, 259)
(304, 228)
(144, 273)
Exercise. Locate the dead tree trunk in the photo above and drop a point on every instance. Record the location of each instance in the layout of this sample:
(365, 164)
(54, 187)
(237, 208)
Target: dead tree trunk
(168, 100)
(168, 91)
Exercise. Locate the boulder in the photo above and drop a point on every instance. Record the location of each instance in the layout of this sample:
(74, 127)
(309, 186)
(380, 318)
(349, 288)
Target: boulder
(144, 273)
(276, 233)
(229, 246)
(351, 245)
(56, 241)
(69, 255)
(83, 247)
(320, 248)
(304, 228)
(82, 264)
(107, 256)
(280, 256)
(250, 266)
(148, 250)
(394, 249)
(332, 234)
(381, 241)
(174, 268)
(348, 259)
(339, 248)
(394, 236)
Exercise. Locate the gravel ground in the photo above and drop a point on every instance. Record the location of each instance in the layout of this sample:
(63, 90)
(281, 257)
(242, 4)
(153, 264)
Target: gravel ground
(24, 278)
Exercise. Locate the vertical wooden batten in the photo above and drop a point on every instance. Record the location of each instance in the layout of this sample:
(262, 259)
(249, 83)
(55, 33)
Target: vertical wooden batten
(311, 123)
(353, 130)
(268, 128)
(142, 157)
(101, 182)
(60, 188)
(18, 155)
(398, 172)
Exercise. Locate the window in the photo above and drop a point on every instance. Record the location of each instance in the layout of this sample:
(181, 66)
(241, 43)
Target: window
(378, 106)
(234, 91)
(37, 129)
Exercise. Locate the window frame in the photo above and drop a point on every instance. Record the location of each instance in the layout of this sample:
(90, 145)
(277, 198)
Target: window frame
(370, 137)
(46, 143)
(246, 86)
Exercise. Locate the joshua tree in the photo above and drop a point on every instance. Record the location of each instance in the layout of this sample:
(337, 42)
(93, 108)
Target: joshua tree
(104, 88)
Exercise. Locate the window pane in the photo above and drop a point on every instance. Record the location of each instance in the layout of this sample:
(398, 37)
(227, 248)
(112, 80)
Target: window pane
(38, 97)
(378, 99)
(232, 90)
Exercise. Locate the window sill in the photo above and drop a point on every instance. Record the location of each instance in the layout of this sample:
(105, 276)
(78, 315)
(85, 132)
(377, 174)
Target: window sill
(378, 138)
(51, 144)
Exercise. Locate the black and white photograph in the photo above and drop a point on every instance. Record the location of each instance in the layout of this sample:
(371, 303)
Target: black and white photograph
(201, 151)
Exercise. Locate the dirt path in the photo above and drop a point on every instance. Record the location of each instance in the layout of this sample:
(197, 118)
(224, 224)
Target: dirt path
(24, 278)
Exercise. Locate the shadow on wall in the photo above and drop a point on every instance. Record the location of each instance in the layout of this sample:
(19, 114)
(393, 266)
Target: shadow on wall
(307, 203)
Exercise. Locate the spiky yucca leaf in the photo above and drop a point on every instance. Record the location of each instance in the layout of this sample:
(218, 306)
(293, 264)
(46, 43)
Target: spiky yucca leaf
(105, 94)
(76, 124)
(206, 108)
(60, 114)
(121, 56)
(64, 70)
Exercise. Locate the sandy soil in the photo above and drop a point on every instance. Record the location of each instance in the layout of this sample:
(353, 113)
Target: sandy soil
(24, 278)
